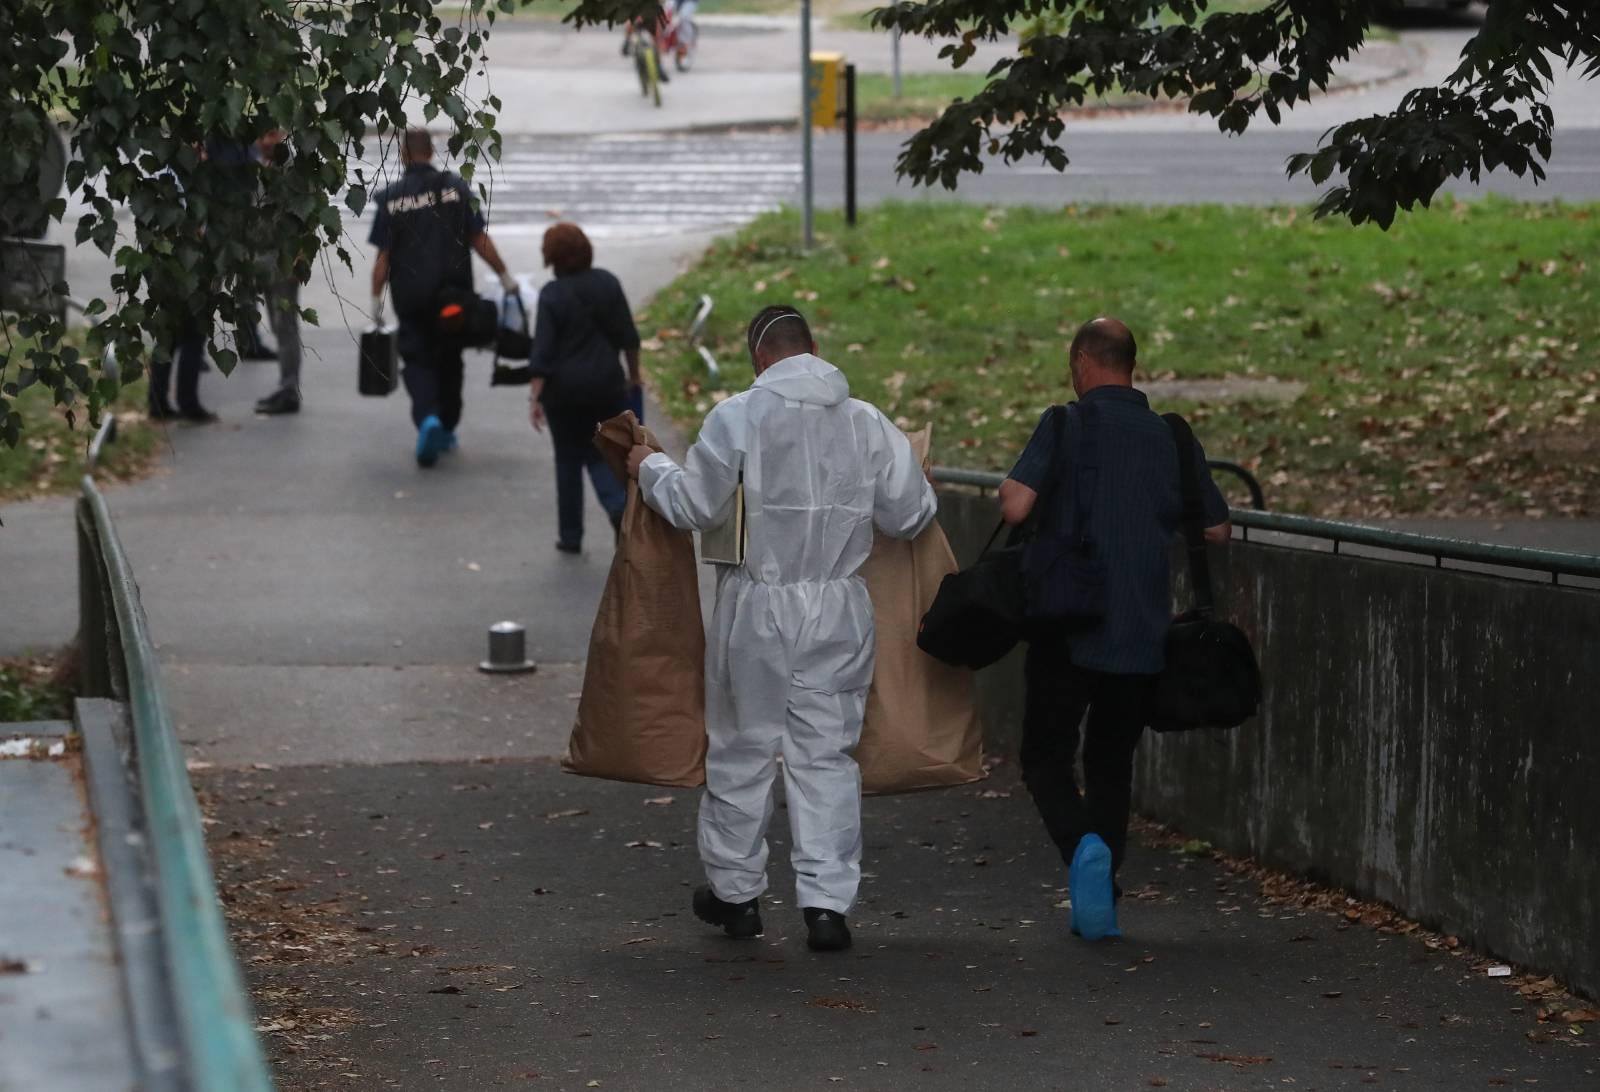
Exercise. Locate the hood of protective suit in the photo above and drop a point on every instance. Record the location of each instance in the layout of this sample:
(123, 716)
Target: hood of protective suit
(805, 378)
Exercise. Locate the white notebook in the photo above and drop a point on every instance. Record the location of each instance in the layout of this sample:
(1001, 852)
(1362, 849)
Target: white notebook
(724, 545)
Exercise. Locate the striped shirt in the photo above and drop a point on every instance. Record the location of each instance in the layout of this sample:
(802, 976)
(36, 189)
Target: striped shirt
(1136, 513)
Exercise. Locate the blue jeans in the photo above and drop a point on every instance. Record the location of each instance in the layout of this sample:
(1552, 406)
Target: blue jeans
(572, 432)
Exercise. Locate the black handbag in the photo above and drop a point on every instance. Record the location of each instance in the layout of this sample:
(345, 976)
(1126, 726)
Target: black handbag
(1064, 580)
(1211, 678)
(512, 343)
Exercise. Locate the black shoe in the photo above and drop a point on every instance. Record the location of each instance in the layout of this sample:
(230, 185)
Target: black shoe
(569, 547)
(281, 401)
(260, 352)
(161, 411)
(740, 920)
(198, 415)
(827, 930)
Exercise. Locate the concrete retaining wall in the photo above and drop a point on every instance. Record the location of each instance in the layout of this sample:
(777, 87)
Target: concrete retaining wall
(1430, 738)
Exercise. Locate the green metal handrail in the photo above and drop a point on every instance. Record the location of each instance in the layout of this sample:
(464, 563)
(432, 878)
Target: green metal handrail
(1555, 562)
(222, 1051)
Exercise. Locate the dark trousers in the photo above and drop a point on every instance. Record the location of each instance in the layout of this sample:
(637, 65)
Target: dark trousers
(1058, 693)
(191, 357)
(572, 433)
(432, 372)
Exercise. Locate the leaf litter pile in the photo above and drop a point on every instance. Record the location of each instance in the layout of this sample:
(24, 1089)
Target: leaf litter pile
(1560, 1016)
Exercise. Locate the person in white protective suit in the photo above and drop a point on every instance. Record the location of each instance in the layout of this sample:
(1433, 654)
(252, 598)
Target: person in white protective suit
(789, 658)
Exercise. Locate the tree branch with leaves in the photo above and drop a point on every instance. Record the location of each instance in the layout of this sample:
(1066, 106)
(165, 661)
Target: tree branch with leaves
(149, 85)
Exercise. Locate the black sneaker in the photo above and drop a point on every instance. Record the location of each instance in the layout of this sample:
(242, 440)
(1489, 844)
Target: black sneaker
(827, 930)
(279, 401)
(569, 547)
(740, 920)
(161, 411)
(198, 415)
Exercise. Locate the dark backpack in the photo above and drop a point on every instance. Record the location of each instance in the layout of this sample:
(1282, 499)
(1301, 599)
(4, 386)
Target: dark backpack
(1211, 678)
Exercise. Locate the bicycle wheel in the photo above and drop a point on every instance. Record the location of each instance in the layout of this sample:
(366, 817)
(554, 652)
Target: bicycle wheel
(688, 38)
(652, 67)
(643, 63)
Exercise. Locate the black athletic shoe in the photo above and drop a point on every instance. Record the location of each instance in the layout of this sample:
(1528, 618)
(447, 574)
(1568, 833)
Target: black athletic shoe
(740, 920)
(570, 547)
(827, 930)
(198, 415)
(161, 411)
(280, 401)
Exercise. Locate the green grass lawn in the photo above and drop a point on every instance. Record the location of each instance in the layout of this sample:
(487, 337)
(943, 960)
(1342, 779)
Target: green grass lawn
(50, 458)
(1451, 364)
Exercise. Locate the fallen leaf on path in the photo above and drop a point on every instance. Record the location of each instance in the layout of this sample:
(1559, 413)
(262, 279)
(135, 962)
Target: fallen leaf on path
(659, 801)
(845, 1003)
(566, 813)
(446, 989)
(1237, 1060)
(644, 843)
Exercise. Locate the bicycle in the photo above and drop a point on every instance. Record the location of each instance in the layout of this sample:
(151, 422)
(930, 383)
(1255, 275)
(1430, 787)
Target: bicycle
(640, 44)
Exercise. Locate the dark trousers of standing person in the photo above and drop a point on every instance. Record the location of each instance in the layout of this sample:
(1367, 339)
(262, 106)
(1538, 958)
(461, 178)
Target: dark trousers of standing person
(1058, 693)
(190, 353)
(572, 433)
(432, 373)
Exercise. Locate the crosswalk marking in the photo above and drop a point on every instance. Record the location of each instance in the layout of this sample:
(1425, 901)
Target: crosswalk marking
(639, 185)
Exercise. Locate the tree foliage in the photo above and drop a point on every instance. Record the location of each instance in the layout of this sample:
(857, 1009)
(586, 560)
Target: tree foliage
(1236, 65)
(148, 83)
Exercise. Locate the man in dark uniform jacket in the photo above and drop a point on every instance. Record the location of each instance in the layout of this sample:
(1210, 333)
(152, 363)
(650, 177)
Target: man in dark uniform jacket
(425, 231)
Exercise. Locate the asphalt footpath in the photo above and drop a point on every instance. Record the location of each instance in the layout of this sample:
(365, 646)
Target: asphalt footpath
(506, 925)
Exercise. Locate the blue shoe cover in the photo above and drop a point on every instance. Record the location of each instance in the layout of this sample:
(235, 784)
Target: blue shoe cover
(1094, 910)
(430, 441)
(450, 441)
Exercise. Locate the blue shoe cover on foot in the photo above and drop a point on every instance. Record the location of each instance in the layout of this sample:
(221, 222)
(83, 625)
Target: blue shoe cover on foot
(1094, 910)
(430, 441)
(450, 441)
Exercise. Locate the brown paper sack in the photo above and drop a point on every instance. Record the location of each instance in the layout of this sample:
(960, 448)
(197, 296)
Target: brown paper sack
(922, 729)
(642, 713)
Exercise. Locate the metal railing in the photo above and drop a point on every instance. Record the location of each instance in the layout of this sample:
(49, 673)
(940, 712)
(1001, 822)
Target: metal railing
(1555, 563)
(216, 1027)
(988, 479)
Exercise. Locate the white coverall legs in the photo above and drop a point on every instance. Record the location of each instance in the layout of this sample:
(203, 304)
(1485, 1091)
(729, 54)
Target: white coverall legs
(799, 698)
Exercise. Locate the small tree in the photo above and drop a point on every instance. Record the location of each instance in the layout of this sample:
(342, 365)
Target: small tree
(1237, 65)
(148, 84)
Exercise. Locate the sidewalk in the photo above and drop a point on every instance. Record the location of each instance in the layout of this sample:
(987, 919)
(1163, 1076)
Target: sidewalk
(479, 926)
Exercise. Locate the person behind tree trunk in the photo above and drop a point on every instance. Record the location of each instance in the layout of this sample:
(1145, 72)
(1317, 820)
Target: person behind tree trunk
(426, 231)
(583, 323)
(283, 306)
(1106, 668)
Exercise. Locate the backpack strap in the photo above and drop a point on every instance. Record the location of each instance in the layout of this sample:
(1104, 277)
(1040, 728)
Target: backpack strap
(1193, 514)
(1086, 467)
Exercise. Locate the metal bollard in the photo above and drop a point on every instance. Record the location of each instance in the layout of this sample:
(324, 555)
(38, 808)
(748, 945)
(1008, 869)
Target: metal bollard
(508, 650)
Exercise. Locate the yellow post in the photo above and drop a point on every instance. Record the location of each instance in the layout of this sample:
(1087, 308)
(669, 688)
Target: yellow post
(825, 72)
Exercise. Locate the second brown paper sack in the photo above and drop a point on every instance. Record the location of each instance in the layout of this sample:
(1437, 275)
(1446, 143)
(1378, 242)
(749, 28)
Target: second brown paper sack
(922, 729)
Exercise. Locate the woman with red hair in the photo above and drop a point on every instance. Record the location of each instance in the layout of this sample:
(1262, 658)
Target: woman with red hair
(582, 334)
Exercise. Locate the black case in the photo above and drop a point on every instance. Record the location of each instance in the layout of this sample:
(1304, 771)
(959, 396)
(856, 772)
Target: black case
(378, 375)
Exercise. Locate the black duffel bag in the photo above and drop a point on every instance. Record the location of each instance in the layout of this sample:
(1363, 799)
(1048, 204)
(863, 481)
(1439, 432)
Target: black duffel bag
(978, 614)
(1211, 678)
(466, 318)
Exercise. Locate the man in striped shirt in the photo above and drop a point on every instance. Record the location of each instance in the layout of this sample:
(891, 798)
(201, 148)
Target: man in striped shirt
(1105, 668)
